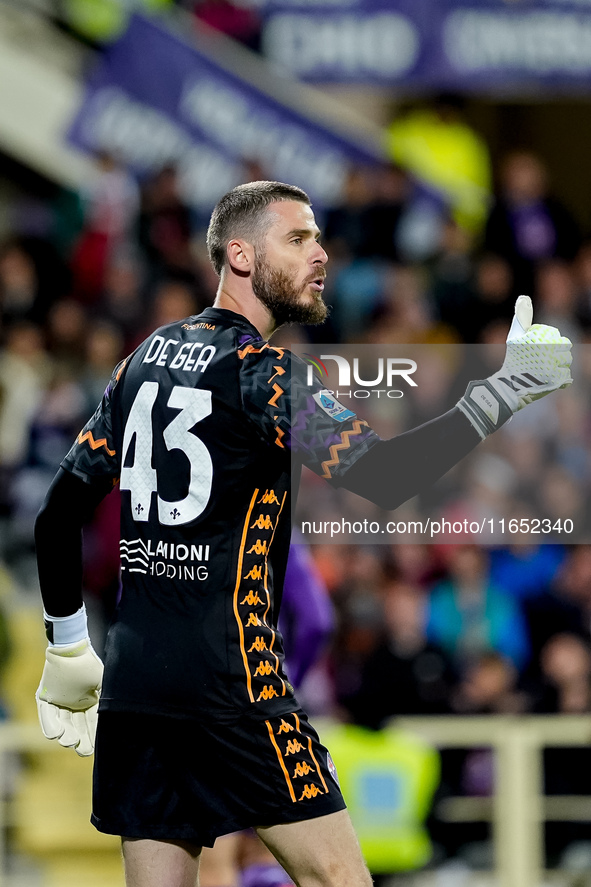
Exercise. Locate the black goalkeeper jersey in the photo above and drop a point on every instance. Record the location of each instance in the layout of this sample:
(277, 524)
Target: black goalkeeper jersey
(202, 426)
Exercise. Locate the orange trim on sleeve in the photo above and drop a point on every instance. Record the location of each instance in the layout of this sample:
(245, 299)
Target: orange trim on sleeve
(280, 435)
(278, 392)
(344, 445)
(279, 371)
(250, 349)
(121, 368)
(95, 444)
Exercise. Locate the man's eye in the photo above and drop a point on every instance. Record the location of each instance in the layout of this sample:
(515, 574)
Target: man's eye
(297, 240)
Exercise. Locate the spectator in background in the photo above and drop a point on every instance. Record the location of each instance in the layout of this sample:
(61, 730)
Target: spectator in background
(555, 296)
(440, 148)
(566, 689)
(18, 285)
(23, 371)
(355, 286)
(561, 605)
(495, 293)
(489, 686)
(165, 227)
(405, 673)
(469, 616)
(32, 277)
(384, 215)
(111, 203)
(345, 225)
(405, 314)
(404, 221)
(526, 571)
(171, 299)
(526, 225)
(566, 675)
(450, 286)
(582, 270)
(470, 291)
(66, 329)
(122, 302)
(104, 350)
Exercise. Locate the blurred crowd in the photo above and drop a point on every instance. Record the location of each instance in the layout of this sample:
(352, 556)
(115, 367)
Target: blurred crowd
(462, 628)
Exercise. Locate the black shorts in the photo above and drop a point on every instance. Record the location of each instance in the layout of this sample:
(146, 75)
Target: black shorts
(179, 780)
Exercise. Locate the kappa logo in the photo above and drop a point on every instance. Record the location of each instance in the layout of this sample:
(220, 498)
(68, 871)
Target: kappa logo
(259, 547)
(267, 692)
(252, 599)
(253, 619)
(293, 747)
(303, 770)
(268, 498)
(255, 573)
(311, 791)
(264, 669)
(262, 523)
(285, 727)
(259, 644)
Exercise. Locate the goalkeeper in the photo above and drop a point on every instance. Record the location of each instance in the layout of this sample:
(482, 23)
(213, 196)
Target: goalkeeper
(199, 732)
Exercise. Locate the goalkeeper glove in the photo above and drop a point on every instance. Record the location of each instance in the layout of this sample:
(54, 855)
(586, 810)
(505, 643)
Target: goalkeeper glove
(537, 361)
(68, 695)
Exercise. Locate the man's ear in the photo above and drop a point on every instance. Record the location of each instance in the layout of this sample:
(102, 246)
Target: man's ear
(240, 256)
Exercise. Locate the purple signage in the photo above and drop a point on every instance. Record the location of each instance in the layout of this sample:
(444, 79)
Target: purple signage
(460, 44)
(156, 99)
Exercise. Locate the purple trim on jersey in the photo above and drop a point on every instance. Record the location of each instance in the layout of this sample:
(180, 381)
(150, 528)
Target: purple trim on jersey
(300, 423)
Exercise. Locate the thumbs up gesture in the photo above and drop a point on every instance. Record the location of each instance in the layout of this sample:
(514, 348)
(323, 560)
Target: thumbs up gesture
(537, 361)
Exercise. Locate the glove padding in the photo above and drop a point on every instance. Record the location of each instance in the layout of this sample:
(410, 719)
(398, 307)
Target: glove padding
(68, 695)
(537, 361)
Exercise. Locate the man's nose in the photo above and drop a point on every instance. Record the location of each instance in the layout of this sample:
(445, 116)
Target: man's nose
(319, 256)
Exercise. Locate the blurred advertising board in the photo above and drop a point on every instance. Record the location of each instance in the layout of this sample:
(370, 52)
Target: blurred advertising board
(508, 45)
(156, 99)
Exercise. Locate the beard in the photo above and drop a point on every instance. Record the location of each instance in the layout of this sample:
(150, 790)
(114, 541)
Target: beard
(277, 291)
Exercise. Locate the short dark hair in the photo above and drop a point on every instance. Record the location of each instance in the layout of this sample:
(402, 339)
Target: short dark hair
(241, 213)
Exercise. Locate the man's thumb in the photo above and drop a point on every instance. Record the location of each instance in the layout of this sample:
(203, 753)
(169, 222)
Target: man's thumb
(522, 318)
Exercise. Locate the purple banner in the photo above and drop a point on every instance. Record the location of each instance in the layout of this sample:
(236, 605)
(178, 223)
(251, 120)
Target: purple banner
(156, 99)
(515, 45)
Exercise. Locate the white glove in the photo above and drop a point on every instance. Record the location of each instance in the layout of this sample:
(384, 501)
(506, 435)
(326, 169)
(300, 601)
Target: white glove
(68, 695)
(537, 361)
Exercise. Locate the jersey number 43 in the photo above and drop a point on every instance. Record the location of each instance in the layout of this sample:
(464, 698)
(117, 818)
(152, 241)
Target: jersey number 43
(140, 478)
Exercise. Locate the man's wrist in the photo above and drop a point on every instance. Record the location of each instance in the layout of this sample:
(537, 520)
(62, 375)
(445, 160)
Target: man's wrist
(63, 630)
(485, 407)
